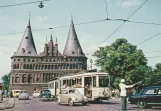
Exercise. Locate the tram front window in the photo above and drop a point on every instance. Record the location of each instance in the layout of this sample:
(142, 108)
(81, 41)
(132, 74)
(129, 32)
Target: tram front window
(103, 81)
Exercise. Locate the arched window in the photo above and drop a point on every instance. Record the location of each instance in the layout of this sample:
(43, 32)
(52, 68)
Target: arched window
(55, 66)
(27, 66)
(14, 66)
(48, 67)
(17, 79)
(17, 66)
(24, 78)
(30, 66)
(24, 66)
(70, 66)
(38, 78)
(12, 79)
(30, 79)
(73, 66)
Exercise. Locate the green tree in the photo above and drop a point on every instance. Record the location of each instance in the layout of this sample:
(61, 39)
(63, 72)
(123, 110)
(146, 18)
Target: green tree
(6, 81)
(155, 78)
(122, 60)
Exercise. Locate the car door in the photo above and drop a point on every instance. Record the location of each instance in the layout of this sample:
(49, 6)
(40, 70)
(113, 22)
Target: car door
(62, 96)
(150, 95)
(158, 97)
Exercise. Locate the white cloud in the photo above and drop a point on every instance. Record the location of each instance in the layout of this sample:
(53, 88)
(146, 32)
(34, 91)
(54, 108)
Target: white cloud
(41, 19)
(130, 3)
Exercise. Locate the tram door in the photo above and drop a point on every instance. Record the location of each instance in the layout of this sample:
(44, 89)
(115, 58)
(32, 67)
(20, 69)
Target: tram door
(56, 87)
(88, 86)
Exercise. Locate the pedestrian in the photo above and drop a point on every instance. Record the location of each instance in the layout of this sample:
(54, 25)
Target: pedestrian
(1, 95)
(123, 93)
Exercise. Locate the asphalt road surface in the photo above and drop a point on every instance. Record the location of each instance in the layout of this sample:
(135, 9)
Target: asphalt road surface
(35, 105)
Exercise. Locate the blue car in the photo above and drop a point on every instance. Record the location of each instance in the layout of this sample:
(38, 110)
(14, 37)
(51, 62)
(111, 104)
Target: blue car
(148, 97)
(46, 95)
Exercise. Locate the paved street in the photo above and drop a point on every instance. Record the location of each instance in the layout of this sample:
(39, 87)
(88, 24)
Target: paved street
(36, 105)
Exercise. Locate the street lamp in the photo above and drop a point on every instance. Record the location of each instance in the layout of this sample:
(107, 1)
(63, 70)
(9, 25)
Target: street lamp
(91, 61)
(41, 5)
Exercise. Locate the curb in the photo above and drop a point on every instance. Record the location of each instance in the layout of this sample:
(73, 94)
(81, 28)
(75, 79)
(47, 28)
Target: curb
(9, 106)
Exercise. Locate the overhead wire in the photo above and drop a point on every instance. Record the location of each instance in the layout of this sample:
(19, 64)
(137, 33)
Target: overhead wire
(148, 39)
(4, 6)
(83, 23)
(152, 51)
(121, 25)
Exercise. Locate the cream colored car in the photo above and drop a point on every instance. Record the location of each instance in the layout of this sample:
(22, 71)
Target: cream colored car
(71, 96)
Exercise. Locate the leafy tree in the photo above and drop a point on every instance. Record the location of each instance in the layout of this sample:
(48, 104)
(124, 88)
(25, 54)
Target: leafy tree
(122, 60)
(6, 81)
(155, 78)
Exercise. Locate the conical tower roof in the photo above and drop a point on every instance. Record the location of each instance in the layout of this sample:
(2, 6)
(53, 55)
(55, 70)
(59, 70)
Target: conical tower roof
(27, 45)
(72, 46)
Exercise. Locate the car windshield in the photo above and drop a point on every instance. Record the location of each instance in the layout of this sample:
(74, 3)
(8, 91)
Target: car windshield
(37, 92)
(23, 92)
(73, 91)
(46, 91)
(17, 91)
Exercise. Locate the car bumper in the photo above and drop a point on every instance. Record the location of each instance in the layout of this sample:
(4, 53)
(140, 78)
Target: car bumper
(80, 101)
(23, 97)
(47, 99)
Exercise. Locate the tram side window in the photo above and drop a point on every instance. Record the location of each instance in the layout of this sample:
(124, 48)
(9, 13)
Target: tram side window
(64, 82)
(79, 82)
(103, 81)
(69, 82)
(94, 81)
(73, 82)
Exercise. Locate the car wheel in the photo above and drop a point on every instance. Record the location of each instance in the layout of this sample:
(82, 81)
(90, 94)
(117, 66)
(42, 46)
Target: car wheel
(142, 104)
(70, 102)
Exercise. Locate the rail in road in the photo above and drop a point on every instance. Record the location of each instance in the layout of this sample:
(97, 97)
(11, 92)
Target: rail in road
(35, 105)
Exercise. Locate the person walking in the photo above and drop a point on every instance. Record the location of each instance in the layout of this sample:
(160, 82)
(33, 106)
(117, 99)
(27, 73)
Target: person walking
(123, 93)
(1, 95)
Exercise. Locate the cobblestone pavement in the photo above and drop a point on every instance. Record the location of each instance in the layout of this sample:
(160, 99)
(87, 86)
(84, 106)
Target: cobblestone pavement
(36, 105)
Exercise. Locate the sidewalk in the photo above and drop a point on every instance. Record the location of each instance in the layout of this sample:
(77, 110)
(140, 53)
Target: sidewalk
(7, 103)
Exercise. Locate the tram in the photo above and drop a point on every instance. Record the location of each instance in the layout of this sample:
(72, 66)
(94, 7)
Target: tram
(93, 85)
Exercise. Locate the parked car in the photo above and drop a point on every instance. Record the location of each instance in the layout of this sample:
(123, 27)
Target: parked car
(23, 95)
(15, 93)
(71, 96)
(36, 94)
(46, 95)
(148, 97)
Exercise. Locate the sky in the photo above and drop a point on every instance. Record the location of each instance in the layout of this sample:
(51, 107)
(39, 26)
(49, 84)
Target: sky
(58, 13)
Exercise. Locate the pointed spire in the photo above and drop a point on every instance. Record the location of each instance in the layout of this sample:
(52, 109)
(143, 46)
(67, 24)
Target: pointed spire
(56, 42)
(72, 46)
(27, 45)
(51, 38)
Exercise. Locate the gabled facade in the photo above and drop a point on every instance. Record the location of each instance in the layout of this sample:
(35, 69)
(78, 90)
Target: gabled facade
(32, 71)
